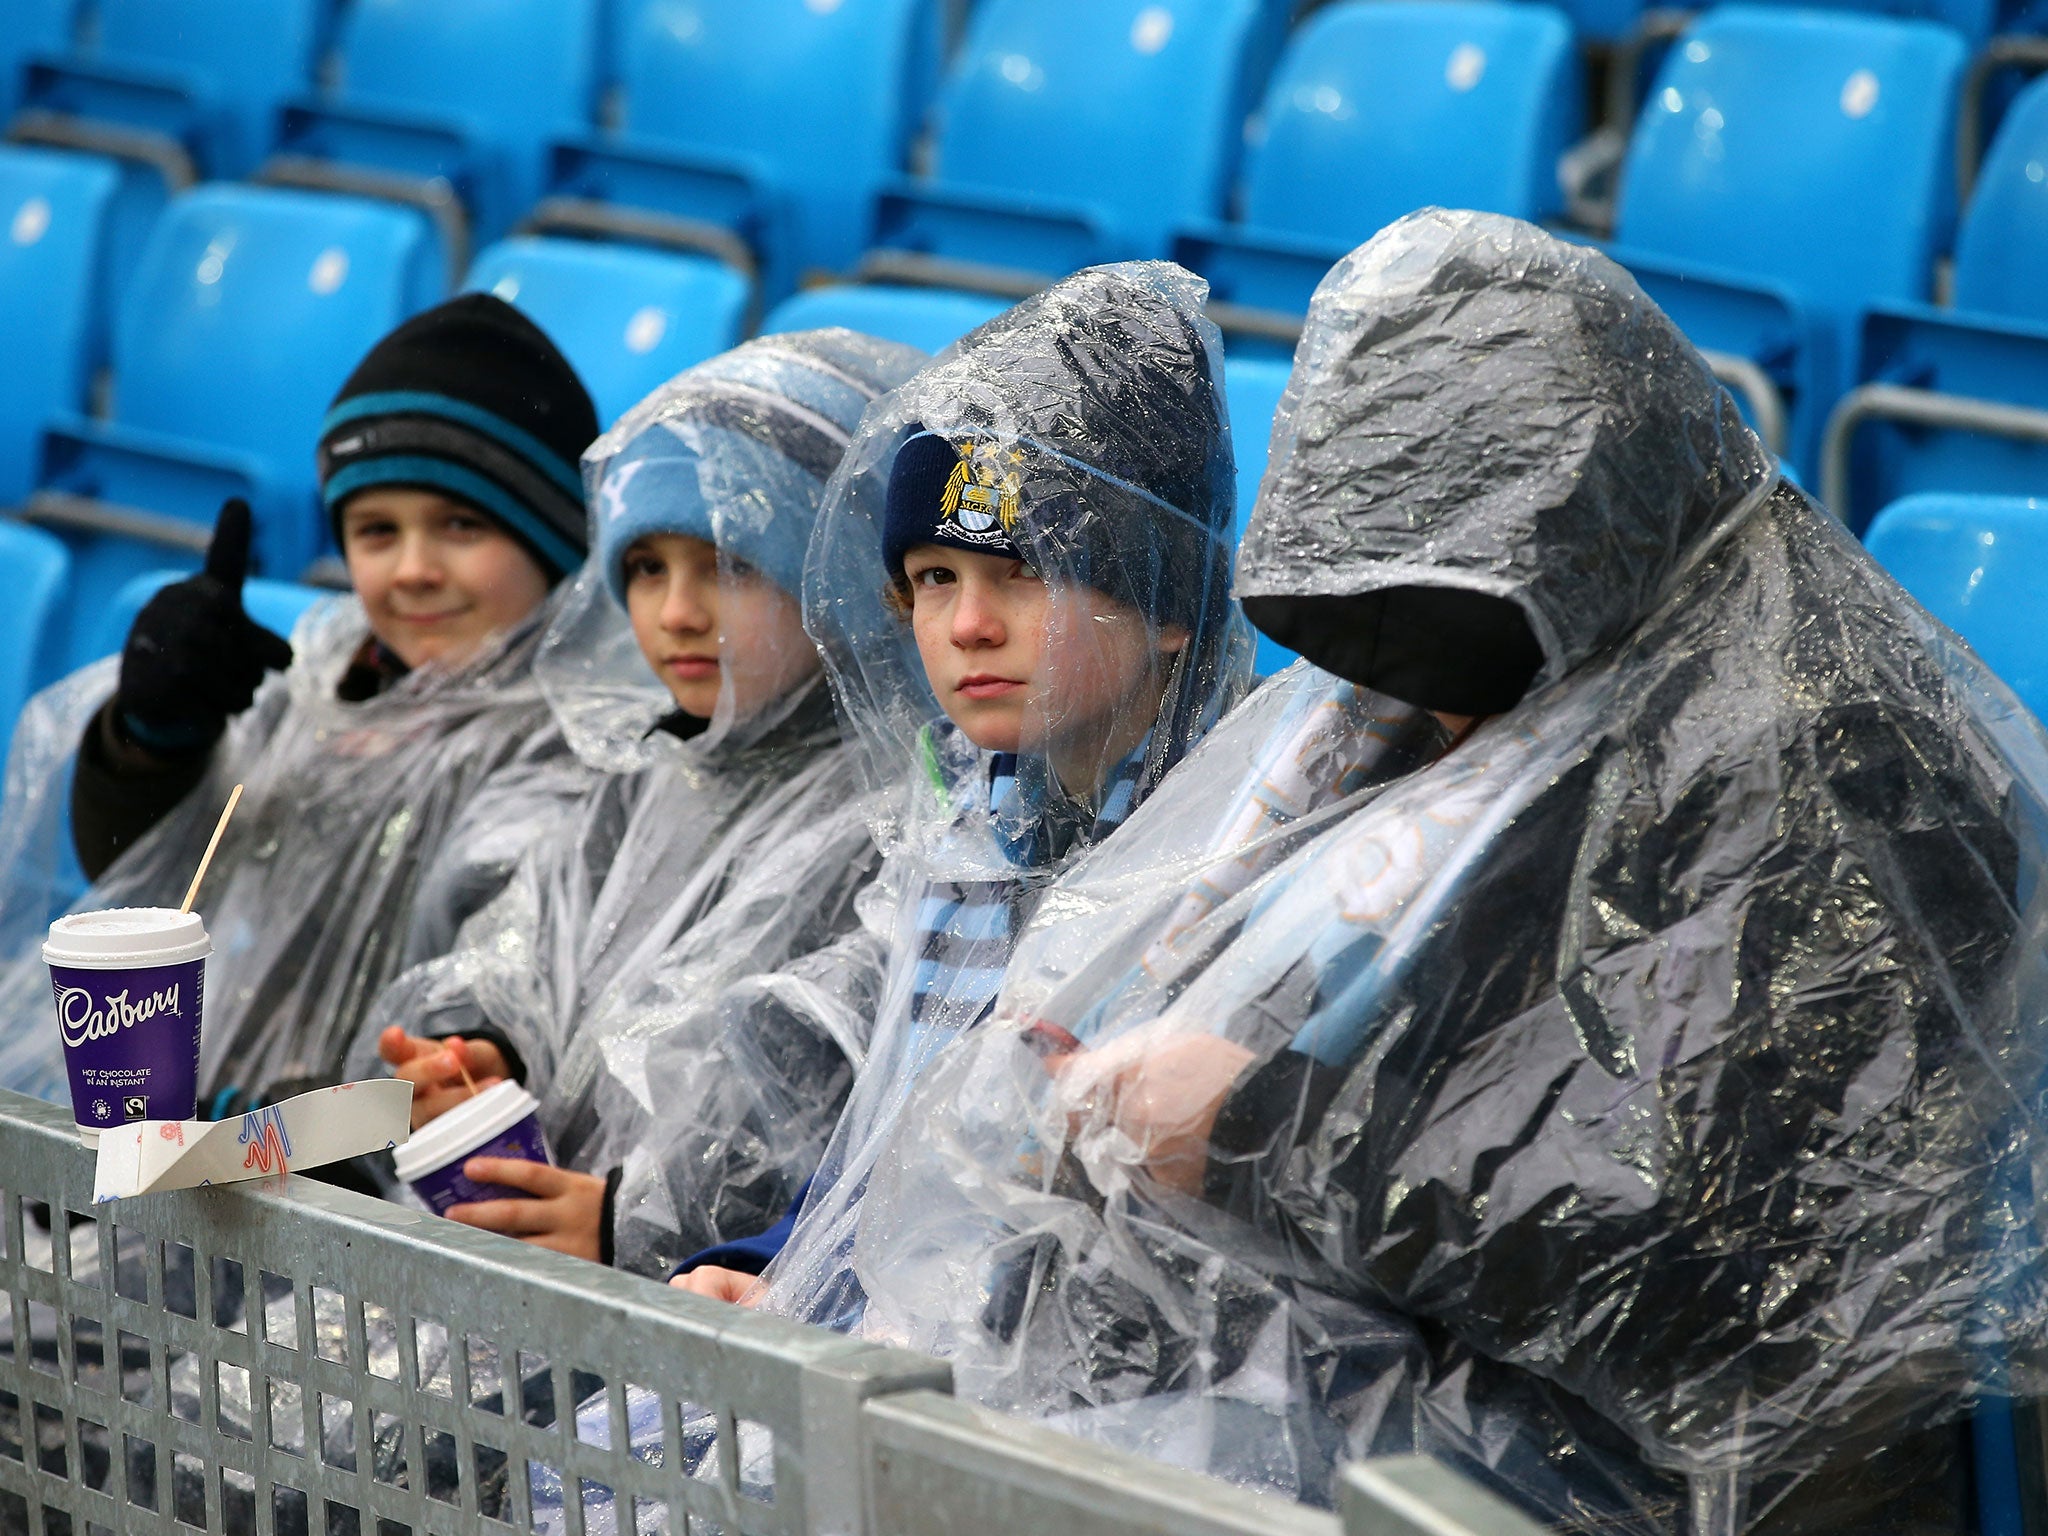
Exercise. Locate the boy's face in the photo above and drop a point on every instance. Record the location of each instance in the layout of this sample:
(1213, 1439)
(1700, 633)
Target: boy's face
(435, 575)
(700, 630)
(1020, 666)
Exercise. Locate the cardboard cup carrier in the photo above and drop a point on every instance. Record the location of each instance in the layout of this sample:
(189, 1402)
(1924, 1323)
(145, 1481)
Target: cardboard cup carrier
(129, 986)
(502, 1121)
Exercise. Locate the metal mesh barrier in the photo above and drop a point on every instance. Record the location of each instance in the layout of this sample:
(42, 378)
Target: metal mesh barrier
(260, 1360)
(242, 1360)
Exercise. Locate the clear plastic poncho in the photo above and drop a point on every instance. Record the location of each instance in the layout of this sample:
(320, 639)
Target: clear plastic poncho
(1638, 1106)
(706, 849)
(353, 842)
(1093, 417)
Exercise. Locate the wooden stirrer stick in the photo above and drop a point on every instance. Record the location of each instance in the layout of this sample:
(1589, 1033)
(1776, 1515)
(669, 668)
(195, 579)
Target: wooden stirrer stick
(212, 845)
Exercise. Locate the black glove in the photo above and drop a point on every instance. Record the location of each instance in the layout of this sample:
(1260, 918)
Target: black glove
(195, 656)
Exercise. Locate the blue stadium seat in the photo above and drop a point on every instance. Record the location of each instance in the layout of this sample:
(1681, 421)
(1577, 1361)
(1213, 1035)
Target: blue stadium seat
(205, 81)
(29, 28)
(276, 605)
(1080, 131)
(38, 571)
(70, 229)
(930, 319)
(1990, 350)
(1380, 107)
(1253, 387)
(765, 124)
(248, 309)
(471, 94)
(1975, 563)
(1791, 169)
(628, 319)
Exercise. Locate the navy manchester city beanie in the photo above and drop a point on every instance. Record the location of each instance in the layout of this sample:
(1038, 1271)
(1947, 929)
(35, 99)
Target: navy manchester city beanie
(473, 400)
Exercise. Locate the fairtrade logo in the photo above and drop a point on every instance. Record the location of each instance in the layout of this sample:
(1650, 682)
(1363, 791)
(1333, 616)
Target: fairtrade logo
(80, 1021)
(135, 1107)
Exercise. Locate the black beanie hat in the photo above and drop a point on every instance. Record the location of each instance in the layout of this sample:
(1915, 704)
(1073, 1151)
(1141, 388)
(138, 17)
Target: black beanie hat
(470, 399)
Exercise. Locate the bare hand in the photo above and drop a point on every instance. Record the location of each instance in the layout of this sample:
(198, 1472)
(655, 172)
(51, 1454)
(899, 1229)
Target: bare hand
(733, 1285)
(435, 1068)
(1161, 1090)
(565, 1213)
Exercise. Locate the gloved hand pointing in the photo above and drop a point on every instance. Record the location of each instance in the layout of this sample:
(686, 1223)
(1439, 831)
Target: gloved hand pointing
(194, 656)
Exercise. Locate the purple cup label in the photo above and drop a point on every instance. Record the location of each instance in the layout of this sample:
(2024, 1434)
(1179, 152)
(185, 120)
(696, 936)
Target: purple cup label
(131, 1040)
(447, 1185)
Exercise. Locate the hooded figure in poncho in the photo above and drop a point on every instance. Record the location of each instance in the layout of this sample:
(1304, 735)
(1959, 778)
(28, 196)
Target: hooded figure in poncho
(1637, 1104)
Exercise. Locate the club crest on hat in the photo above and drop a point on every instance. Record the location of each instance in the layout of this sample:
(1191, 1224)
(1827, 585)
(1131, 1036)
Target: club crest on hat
(980, 503)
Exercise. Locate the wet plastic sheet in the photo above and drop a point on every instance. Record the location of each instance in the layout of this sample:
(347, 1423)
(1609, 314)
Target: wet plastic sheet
(1637, 1107)
(1092, 419)
(355, 827)
(707, 849)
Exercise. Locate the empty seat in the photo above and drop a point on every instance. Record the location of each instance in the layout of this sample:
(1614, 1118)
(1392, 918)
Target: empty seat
(249, 307)
(276, 605)
(628, 319)
(1253, 387)
(1380, 107)
(772, 122)
(929, 319)
(1790, 169)
(70, 227)
(1957, 399)
(31, 620)
(1974, 562)
(471, 94)
(1079, 131)
(204, 81)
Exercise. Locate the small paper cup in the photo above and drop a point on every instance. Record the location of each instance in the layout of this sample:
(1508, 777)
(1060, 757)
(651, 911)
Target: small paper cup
(502, 1121)
(130, 984)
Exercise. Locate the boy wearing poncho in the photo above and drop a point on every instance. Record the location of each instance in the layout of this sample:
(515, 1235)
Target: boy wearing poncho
(1029, 543)
(448, 467)
(724, 834)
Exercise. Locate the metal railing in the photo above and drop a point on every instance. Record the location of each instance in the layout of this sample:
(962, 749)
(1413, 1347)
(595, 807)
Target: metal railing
(302, 1359)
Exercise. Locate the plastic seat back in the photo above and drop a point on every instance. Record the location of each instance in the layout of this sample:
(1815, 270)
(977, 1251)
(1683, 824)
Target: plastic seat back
(1812, 149)
(628, 319)
(1974, 562)
(31, 655)
(55, 254)
(516, 73)
(821, 96)
(1132, 109)
(249, 308)
(244, 58)
(2002, 248)
(1380, 107)
(1253, 387)
(1975, 19)
(929, 319)
(30, 27)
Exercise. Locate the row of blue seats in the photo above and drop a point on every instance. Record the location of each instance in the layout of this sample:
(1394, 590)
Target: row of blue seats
(1073, 131)
(1375, 108)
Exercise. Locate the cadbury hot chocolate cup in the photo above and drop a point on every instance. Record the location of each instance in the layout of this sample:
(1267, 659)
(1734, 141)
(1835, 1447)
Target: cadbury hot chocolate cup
(501, 1121)
(129, 985)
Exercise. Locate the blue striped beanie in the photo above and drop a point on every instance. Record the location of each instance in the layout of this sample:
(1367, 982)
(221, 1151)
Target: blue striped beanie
(470, 399)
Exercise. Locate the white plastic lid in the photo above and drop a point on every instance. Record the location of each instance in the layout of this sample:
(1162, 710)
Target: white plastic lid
(127, 936)
(463, 1129)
